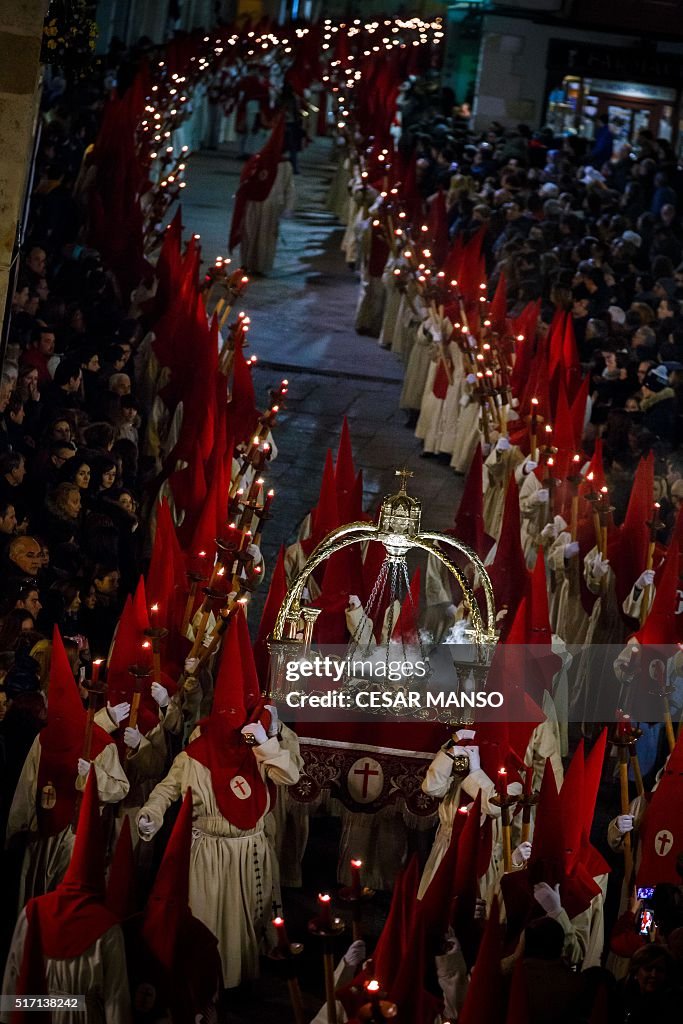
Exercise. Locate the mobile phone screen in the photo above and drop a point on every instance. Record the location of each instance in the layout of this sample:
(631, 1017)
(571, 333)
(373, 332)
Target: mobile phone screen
(646, 921)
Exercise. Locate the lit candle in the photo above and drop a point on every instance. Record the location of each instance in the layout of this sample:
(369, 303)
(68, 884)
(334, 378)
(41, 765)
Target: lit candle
(502, 783)
(356, 887)
(146, 654)
(269, 501)
(372, 989)
(153, 616)
(283, 944)
(324, 908)
(96, 666)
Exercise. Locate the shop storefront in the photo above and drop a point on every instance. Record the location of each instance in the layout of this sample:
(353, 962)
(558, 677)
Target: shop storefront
(634, 90)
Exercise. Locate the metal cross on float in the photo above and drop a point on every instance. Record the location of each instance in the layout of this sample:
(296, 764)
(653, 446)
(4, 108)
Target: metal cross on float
(366, 771)
(405, 474)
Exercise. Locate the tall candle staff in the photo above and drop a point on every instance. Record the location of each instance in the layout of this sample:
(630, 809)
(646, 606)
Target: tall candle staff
(327, 928)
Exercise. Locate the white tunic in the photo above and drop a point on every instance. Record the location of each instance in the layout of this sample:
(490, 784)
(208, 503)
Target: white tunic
(47, 858)
(99, 974)
(262, 222)
(231, 871)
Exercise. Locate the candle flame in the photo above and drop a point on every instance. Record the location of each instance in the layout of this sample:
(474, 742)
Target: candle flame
(154, 608)
(373, 986)
(324, 897)
(356, 863)
(271, 493)
(98, 661)
(146, 644)
(278, 922)
(534, 401)
(221, 571)
(590, 475)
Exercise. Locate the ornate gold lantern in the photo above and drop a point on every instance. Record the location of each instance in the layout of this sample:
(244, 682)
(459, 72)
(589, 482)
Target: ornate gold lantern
(399, 530)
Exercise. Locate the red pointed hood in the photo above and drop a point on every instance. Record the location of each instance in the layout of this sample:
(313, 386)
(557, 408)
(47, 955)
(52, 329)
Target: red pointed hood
(594, 861)
(484, 1000)
(499, 305)
(469, 520)
(166, 574)
(167, 907)
(351, 509)
(392, 942)
(661, 627)
(518, 1003)
(128, 650)
(61, 742)
(406, 627)
(509, 574)
(634, 533)
(661, 833)
(241, 415)
(344, 469)
(32, 980)
(547, 849)
(342, 577)
(257, 179)
(325, 515)
(277, 592)
(241, 793)
(121, 883)
(74, 916)
(571, 798)
(409, 988)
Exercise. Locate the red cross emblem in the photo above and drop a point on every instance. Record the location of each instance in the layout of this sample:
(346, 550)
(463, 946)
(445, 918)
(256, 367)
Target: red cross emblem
(240, 787)
(663, 842)
(365, 780)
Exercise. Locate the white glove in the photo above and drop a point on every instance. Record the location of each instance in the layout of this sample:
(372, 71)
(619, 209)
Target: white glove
(256, 730)
(355, 954)
(503, 444)
(600, 566)
(118, 712)
(521, 854)
(542, 496)
(160, 694)
(548, 898)
(83, 767)
(571, 549)
(191, 666)
(479, 909)
(549, 532)
(354, 601)
(530, 466)
(464, 401)
(254, 551)
(625, 823)
(145, 826)
(274, 726)
(646, 579)
(132, 737)
(473, 754)
(464, 734)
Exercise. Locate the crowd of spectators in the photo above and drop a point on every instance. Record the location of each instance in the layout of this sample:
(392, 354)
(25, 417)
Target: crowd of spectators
(71, 475)
(596, 230)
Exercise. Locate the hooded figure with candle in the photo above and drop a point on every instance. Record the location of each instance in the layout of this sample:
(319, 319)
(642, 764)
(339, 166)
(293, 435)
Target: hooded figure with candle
(233, 762)
(173, 957)
(67, 942)
(265, 193)
(54, 774)
(144, 739)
